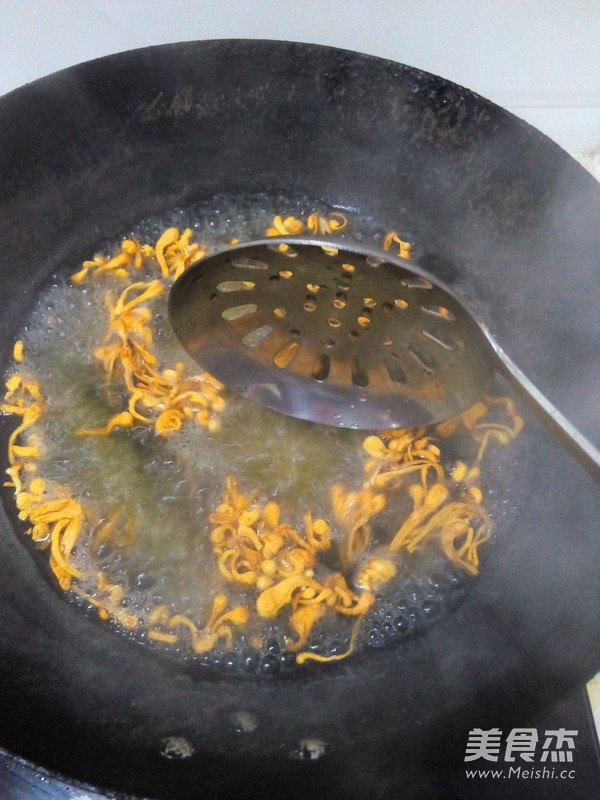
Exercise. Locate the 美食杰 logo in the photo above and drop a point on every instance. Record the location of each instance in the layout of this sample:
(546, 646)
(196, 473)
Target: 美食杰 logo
(521, 753)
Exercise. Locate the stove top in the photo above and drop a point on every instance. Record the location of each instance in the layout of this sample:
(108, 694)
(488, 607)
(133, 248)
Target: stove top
(557, 758)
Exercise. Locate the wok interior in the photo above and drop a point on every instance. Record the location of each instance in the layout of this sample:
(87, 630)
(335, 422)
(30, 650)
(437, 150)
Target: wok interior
(503, 216)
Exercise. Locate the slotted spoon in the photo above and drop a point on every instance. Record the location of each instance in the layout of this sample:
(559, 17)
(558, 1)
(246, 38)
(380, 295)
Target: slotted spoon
(344, 335)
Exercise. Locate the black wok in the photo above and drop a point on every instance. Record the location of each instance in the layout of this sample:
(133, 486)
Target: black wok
(505, 217)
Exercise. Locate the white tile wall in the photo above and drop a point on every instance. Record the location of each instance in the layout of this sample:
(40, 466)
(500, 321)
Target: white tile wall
(539, 58)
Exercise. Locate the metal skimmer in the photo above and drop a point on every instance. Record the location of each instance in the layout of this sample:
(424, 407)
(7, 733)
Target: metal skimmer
(343, 336)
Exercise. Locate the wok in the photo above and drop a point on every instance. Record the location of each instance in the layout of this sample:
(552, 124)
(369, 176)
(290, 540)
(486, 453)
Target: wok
(505, 217)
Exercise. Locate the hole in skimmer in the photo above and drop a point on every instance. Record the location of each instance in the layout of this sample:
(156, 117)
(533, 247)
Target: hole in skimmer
(284, 357)
(416, 282)
(235, 286)
(360, 377)
(237, 312)
(321, 367)
(249, 263)
(394, 368)
(438, 311)
(422, 358)
(283, 249)
(257, 336)
(437, 338)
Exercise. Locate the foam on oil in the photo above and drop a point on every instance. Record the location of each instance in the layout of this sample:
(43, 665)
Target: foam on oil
(160, 491)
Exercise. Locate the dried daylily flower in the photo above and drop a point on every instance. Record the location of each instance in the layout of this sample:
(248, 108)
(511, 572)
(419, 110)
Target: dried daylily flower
(255, 548)
(275, 597)
(131, 255)
(56, 520)
(164, 399)
(354, 511)
(169, 237)
(374, 572)
(218, 627)
(302, 620)
(279, 564)
(168, 421)
(123, 419)
(318, 223)
(425, 501)
(403, 247)
(281, 227)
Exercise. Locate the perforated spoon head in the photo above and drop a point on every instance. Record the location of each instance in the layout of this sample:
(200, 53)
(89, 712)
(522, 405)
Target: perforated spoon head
(335, 334)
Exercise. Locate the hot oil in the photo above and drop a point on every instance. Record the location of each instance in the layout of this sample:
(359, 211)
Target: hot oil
(148, 498)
